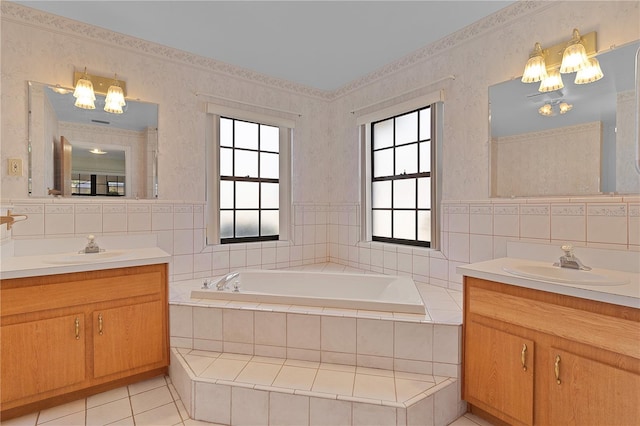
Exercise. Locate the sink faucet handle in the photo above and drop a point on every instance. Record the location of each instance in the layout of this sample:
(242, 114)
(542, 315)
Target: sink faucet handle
(568, 249)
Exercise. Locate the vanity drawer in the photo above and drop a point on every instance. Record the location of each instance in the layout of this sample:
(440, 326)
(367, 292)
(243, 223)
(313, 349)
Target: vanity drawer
(33, 294)
(550, 314)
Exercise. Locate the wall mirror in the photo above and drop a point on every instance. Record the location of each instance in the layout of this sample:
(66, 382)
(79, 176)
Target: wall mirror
(588, 149)
(80, 152)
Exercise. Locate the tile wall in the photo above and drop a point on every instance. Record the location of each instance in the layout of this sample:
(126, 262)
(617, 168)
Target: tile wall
(472, 231)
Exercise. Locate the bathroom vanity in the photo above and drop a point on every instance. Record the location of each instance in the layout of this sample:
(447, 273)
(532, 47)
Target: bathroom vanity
(536, 352)
(65, 335)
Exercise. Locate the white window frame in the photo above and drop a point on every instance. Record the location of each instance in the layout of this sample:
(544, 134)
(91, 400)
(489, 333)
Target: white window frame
(364, 121)
(286, 126)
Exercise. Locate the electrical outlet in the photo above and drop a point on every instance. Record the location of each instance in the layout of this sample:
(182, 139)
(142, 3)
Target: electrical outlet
(15, 167)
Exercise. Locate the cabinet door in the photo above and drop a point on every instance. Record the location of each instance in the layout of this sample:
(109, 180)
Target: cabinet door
(129, 337)
(498, 373)
(42, 355)
(590, 392)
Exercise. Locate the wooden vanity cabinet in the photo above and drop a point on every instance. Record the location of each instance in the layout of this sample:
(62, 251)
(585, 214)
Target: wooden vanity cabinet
(582, 357)
(67, 336)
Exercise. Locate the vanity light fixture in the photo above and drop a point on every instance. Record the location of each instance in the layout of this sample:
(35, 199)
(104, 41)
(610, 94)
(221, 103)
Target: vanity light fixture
(115, 98)
(576, 55)
(114, 89)
(552, 82)
(536, 69)
(97, 151)
(84, 94)
(565, 107)
(589, 74)
(545, 110)
(549, 109)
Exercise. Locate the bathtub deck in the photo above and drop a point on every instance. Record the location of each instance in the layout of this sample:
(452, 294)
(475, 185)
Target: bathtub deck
(221, 387)
(238, 363)
(443, 306)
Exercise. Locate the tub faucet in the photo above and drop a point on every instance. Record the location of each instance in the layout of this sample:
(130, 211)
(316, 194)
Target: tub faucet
(222, 282)
(569, 260)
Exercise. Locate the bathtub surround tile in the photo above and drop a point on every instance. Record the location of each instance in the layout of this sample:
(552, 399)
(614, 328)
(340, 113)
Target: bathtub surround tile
(413, 341)
(270, 328)
(249, 407)
(303, 354)
(372, 415)
(207, 323)
(303, 331)
(375, 361)
(374, 387)
(237, 326)
(338, 357)
(259, 373)
(328, 412)
(338, 334)
(181, 324)
(634, 225)
(374, 337)
(225, 369)
(288, 410)
(334, 382)
(293, 377)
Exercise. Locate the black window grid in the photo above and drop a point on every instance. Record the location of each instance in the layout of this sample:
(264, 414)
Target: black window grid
(400, 176)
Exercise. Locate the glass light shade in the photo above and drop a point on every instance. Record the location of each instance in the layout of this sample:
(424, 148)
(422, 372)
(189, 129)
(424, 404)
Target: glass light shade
(536, 69)
(565, 107)
(84, 94)
(545, 110)
(115, 100)
(574, 58)
(85, 102)
(552, 82)
(589, 74)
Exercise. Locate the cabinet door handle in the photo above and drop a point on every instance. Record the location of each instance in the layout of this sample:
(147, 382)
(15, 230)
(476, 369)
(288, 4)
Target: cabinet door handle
(523, 357)
(557, 369)
(100, 324)
(77, 323)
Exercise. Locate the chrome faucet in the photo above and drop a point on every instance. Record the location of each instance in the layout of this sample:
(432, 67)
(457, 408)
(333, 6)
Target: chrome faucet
(222, 282)
(91, 247)
(569, 260)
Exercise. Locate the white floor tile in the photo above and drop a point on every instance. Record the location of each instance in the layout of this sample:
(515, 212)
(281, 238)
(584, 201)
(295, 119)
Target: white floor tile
(62, 411)
(106, 397)
(150, 399)
(109, 413)
(75, 419)
(165, 415)
(146, 385)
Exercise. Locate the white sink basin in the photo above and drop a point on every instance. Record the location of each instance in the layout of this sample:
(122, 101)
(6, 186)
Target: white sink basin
(562, 275)
(72, 258)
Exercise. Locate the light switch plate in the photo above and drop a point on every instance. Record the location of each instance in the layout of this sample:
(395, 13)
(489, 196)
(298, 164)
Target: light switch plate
(15, 167)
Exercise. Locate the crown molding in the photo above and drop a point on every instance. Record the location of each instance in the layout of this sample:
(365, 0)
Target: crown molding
(33, 17)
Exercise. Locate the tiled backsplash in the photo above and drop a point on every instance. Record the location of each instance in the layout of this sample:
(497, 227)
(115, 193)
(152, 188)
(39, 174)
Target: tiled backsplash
(472, 231)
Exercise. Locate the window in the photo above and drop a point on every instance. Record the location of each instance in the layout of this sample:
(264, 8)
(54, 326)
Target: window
(401, 146)
(91, 184)
(401, 179)
(249, 181)
(248, 164)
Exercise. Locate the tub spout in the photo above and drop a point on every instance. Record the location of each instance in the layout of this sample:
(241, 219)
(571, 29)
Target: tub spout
(222, 282)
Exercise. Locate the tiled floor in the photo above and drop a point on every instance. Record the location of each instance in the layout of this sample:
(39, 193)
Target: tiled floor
(155, 403)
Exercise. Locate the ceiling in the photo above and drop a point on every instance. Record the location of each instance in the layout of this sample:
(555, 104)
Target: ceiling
(320, 44)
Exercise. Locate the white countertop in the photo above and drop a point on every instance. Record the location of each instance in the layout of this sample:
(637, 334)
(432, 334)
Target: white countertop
(627, 294)
(62, 263)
